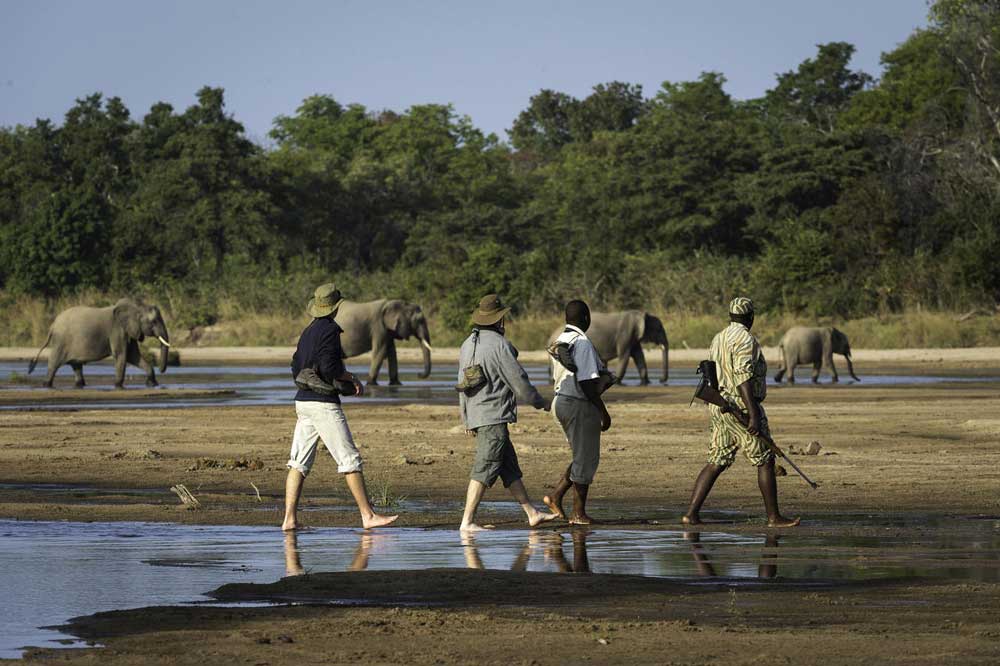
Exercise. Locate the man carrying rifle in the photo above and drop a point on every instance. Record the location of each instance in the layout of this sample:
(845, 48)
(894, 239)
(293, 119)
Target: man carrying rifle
(742, 377)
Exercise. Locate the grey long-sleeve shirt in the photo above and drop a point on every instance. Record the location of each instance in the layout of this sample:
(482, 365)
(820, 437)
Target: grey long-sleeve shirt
(506, 382)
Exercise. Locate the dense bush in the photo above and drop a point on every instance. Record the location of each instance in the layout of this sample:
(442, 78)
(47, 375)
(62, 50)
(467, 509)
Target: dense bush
(833, 195)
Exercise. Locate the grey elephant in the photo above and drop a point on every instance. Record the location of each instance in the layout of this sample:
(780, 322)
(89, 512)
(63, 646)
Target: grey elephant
(84, 334)
(815, 346)
(376, 325)
(618, 336)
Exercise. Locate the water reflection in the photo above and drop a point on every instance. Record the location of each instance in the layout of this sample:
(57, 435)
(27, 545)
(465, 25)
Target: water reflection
(768, 567)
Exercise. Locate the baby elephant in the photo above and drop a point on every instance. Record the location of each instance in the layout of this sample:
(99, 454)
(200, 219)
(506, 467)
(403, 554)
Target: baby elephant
(815, 346)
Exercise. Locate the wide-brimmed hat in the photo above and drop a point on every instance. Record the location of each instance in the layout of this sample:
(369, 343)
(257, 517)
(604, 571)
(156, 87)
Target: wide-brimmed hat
(325, 301)
(741, 305)
(490, 311)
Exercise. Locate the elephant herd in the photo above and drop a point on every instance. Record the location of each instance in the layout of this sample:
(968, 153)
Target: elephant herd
(83, 334)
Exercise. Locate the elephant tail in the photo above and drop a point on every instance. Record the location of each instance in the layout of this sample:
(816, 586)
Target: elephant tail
(34, 361)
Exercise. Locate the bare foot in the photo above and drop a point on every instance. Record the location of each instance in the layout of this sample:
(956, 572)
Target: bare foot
(554, 507)
(781, 521)
(540, 518)
(581, 520)
(473, 527)
(377, 520)
(690, 520)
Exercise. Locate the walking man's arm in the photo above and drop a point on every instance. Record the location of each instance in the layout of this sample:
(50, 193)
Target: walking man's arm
(517, 379)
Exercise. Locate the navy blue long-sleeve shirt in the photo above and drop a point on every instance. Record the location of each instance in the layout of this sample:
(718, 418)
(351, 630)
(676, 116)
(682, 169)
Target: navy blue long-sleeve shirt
(319, 348)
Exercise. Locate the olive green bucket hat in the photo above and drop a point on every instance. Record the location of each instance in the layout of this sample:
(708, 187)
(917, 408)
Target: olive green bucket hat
(325, 301)
(490, 311)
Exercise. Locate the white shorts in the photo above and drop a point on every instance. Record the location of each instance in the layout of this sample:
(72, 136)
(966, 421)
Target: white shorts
(326, 421)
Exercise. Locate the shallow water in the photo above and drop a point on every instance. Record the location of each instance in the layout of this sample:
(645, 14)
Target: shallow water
(52, 571)
(271, 385)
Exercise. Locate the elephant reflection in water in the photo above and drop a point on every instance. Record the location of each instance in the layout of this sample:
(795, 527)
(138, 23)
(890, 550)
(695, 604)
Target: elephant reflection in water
(293, 562)
(768, 567)
(552, 553)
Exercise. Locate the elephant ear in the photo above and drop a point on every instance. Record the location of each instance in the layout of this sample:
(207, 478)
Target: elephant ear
(640, 326)
(396, 319)
(125, 322)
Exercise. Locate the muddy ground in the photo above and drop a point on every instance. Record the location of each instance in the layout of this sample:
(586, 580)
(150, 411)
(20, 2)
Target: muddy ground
(928, 450)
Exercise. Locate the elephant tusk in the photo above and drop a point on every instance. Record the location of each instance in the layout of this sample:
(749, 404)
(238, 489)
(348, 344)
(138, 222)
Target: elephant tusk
(427, 344)
(163, 342)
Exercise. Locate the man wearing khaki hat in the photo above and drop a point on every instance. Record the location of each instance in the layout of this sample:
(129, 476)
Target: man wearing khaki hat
(320, 415)
(489, 405)
(742, 375)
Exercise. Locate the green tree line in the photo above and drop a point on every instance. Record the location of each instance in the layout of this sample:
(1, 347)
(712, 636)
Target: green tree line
(834, 194)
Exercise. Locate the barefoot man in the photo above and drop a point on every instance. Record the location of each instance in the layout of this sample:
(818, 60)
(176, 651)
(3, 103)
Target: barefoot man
(320, 416)
(580, 411)
(742, 373)
(488, 408)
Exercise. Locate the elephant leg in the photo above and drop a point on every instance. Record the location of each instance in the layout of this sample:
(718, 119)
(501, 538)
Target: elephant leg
(134, 357)
(56, 360)
(640, 364)
(622, 366)
(378, 355)
(393, 365)
(815, 374)
(78, 371)
(781, 371)
(791, 373)
(833, 368)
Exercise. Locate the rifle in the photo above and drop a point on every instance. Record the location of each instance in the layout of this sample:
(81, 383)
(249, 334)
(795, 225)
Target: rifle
(708, 391)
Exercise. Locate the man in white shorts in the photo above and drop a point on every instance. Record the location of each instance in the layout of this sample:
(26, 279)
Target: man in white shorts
(320, 415)
(580, 411)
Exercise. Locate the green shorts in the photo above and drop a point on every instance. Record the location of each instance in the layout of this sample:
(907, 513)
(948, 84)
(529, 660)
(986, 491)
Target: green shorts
(495, 456)
(728, 434)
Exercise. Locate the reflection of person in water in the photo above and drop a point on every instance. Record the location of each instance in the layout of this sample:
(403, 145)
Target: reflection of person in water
(553, 553)
(293, 563)
(768, 567)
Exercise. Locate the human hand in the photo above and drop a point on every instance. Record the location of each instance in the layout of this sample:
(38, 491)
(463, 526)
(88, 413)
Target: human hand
(359, 388)
(753, 427)
(605, 421)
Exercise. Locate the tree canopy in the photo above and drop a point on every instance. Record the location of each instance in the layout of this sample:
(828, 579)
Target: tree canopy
(835, 193)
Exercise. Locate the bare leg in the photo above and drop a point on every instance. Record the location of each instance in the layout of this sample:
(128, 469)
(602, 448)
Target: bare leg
(360, 561)
(580, 516)
(473, 497)
(471, 551)
(369, 519)
(580, 562)
(702, 486)
(78, 371)
(701, 561)
(293, 490)
(535, 517)
(293, 565)
(769, 490)
(555, 500)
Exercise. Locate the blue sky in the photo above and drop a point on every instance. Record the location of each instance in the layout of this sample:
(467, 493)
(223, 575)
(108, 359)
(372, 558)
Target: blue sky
(487, 59)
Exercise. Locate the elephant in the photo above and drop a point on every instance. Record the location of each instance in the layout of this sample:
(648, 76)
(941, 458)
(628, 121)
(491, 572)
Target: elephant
(619, 335)
(83, 334)
(815, 345)
(376, 325)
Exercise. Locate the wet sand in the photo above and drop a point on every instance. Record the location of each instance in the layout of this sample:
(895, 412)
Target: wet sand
(929, 452)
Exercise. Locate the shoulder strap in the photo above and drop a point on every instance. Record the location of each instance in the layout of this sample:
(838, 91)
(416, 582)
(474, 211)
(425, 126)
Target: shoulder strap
(475, 343)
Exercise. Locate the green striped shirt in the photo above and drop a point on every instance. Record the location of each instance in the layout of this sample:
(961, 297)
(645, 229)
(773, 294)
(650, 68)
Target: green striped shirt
(738, 359)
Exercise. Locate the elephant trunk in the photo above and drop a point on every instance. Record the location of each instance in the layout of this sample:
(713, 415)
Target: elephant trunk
(666, 360)
(425, 347)
(850, 366)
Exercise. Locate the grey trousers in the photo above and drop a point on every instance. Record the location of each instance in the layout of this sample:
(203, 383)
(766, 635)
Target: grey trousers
(581, 421)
